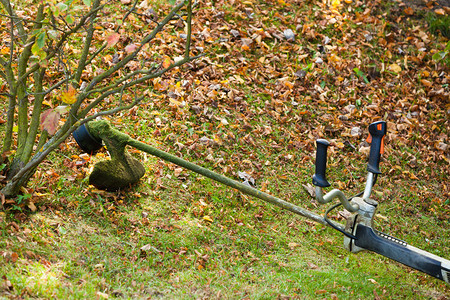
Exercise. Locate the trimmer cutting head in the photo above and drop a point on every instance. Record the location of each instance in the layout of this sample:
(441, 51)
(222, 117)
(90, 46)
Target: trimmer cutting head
(122, 170)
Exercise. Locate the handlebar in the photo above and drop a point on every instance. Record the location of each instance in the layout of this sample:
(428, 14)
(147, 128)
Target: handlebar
(319, 178)
(377, 132)
(358, 232)
(320, 181)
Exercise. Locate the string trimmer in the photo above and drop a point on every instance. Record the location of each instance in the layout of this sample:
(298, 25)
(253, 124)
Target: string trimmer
(123, 170)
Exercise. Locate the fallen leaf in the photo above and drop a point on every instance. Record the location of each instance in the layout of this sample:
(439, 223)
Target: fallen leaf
(102, 295)
(177, 171)
(293, 245)
(130, 48)
(426, 83)
(409, 11)
(440, 11)
(310, 189)
(14, 257)
(31, 206)
(395, 68)
(208, 219)
(166, 63)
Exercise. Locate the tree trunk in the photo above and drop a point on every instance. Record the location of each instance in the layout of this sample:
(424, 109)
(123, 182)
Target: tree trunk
(12, 188)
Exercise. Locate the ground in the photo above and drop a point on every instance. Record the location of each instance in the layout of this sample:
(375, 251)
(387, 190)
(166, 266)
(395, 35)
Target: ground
(255, 103)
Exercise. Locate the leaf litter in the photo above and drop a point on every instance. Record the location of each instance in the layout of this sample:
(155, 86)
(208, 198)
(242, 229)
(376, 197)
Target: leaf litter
(276, 76)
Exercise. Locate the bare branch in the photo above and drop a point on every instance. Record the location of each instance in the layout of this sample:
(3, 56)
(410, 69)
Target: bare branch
(131, 56)
(123, 79)
(61, 41)
(189, 29)
(7, 5)
(87, 46)
(55, 86)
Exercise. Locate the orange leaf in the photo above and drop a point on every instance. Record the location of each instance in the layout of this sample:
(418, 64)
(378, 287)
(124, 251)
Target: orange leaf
(288, 84)
(409, 11)
(426, 83)
(440, 11)
(166, 63)
(245, 47)
(14, 257)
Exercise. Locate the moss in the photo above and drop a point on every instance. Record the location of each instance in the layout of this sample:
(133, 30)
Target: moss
(122, 170)
(116, 174)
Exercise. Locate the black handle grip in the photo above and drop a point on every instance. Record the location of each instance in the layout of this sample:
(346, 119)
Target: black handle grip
(377, 131)
(319, 178)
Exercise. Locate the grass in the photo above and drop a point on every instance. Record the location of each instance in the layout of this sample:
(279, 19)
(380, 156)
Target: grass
(250, 249)
(203, 240)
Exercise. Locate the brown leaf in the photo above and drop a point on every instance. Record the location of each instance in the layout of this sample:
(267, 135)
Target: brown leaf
(310, 189)
(311, 265)
(14, 257)
(426, 83)
(440, 11)
(409, 11)
(31, 206)
(112, 39)
(130, 48)
(49, 121)
(7, 285)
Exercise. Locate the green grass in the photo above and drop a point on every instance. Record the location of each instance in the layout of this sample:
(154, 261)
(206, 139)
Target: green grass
(250, 249)
(209, 241)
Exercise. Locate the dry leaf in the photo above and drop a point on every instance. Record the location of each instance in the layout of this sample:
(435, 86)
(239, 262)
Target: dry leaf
(31, 206)
(293, 245)
(409, 11)
(102, 295)
(395, 68)
(130, 48)
(49, 121)
(166, 63)
(426, 83)
(112, 39)
(440, 11)
(310, 189)
(14, 257)
(208, 219)
(177, 171)
(311, 265)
